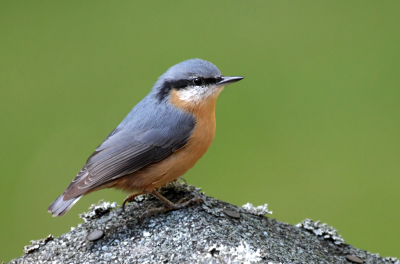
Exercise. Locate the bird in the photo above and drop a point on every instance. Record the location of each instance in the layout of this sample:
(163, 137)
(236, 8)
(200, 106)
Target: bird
(161, 138)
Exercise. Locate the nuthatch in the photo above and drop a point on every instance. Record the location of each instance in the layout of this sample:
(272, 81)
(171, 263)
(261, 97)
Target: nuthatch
(162, 137)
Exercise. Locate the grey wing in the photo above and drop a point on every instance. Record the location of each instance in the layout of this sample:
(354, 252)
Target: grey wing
(124, 152)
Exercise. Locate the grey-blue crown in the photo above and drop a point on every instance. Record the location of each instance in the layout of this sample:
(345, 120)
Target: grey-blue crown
(191, 68)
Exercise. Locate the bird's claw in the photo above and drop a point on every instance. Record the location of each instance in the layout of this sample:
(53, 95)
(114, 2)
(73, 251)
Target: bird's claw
(130, 198)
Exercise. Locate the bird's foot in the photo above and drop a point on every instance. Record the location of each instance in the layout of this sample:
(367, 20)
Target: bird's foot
(182, 179)
(168, 205)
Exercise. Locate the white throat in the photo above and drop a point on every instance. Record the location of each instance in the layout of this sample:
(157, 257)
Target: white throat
(197, 93)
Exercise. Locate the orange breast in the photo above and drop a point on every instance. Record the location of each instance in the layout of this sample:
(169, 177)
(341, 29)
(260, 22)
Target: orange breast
(169, 169)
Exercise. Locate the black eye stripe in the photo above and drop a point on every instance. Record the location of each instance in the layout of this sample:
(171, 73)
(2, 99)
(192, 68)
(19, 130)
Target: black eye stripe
(182, 84)
(179, 84)
(208, 81)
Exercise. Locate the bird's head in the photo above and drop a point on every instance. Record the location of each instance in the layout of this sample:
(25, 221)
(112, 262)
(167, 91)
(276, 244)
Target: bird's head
(192, 82)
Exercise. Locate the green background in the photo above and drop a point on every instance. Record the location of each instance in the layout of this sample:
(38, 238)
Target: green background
(313, 130)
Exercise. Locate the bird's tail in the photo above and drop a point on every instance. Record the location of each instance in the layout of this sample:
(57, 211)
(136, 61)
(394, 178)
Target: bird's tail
(59, 207)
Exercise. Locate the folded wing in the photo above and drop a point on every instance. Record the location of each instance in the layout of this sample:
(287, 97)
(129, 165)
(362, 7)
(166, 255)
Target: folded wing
(127, 149)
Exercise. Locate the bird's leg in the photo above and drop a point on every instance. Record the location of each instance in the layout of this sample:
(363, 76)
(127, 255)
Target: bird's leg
(168, 205)
(130, 198)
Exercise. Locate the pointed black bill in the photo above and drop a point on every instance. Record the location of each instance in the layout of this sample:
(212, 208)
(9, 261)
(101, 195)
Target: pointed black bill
(229, 79)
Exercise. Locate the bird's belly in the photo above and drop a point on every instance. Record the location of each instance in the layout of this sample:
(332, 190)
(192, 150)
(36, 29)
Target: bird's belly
(158, 174)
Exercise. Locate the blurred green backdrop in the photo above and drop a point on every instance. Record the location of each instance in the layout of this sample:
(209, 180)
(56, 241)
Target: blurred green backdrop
(313, 130)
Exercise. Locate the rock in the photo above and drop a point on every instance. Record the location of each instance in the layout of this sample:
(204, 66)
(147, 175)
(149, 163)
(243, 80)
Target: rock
(200, 233)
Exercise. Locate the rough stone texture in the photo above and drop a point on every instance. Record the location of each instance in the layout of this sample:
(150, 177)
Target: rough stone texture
(196, 234)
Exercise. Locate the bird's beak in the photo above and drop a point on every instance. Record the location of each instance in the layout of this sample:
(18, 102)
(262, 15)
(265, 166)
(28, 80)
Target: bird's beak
(229, 79)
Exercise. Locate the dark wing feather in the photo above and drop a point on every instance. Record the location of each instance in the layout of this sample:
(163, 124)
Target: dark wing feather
(124, 152)
(152, 131)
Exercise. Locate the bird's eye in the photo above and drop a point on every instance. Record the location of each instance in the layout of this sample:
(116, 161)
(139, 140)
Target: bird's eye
(197, 81)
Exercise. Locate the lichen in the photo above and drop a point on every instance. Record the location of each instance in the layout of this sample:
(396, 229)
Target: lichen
(322, 230)
(36, 244)
(259, 210)
(97, 210)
